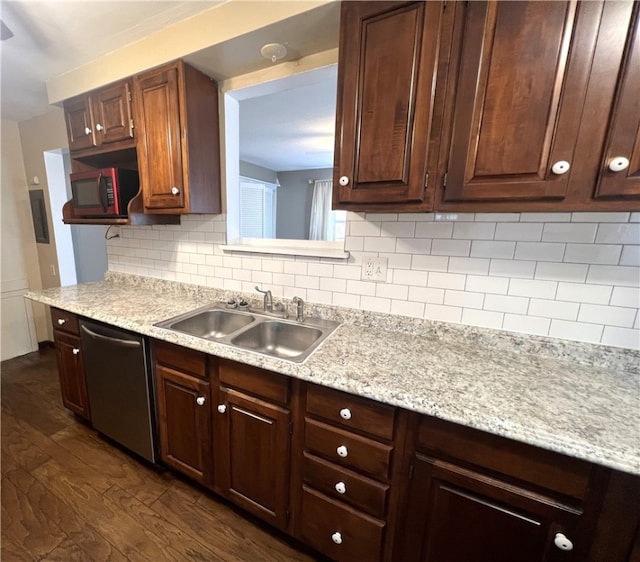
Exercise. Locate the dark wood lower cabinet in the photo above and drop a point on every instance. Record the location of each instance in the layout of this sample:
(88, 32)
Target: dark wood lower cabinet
(252, 441)
(73, 383)
(184, 413)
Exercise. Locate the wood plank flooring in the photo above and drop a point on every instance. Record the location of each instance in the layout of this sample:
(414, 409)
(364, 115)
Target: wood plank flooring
(69, 495)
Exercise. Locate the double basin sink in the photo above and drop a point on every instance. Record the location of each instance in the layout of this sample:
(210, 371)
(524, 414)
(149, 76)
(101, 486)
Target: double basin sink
(253, 331)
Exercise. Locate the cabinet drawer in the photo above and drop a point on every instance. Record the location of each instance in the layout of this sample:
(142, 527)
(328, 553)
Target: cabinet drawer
(543, 468)
(359, 453)
(265, 384)
(344, 485)
(338, 531)
(182, 358)
(65, 321)
(350, 411)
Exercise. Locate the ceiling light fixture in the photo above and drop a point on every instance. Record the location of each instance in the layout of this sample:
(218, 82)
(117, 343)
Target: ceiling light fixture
(273, 51)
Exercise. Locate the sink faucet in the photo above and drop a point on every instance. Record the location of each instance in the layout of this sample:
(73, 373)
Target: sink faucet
(299, 309)
(268, 299)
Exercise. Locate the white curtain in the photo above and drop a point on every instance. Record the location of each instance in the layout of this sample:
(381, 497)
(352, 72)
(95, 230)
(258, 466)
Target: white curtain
(321, 224)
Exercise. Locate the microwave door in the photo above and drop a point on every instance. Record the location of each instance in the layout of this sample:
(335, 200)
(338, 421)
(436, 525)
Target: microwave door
(85, 193)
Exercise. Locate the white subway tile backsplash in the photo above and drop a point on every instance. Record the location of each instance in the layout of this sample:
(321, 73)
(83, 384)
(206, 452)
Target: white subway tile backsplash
(501, 270)
(441, 247)
(463, 298)
(479, 266)
(502, 303)
(576, 292)
(609, 315)
(446, 280)
(492, 249)
(547, 251)
(619, 233)
(621, 337)
(579, 331)
(554, 309)
(474, 230)
(604, 254)
(533, 288)
(574, 272)
(528, 232)
(614, 275)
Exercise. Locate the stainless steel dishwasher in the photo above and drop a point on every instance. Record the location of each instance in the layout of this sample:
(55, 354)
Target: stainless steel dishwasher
(120, 386)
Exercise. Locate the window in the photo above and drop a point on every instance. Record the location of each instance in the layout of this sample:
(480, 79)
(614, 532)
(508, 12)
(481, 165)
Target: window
(257, 209)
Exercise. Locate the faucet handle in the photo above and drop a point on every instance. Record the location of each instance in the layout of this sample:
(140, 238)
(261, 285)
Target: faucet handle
(261, 291)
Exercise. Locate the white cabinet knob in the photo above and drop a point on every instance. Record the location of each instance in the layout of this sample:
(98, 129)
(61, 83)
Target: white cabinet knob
(344, 180)
(337, 537)
(222, 408)
(99, 127)
(61, 321)
(341, 487)
(618, 164)
(200, 400)
(342, 451)
(562, 542)
(87, 131)
(76, 351)
(561, 167)
(174, 190)
(345, 414)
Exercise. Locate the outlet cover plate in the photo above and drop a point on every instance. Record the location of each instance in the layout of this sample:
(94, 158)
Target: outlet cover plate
(374, 269)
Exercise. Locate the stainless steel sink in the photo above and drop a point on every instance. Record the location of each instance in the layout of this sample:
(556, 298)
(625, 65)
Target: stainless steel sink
(212, 324)
(253, 331)
(280, 339)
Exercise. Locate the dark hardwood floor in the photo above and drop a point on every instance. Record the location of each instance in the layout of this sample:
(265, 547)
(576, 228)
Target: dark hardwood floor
(68, 495)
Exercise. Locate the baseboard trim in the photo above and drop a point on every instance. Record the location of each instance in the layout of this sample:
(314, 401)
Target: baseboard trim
(47, 344)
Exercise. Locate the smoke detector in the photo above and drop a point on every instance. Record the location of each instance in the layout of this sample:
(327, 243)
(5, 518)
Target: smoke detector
(273, 51)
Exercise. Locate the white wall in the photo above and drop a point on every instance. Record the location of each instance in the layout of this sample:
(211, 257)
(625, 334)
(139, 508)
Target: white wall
(20, 270)
(572, 276)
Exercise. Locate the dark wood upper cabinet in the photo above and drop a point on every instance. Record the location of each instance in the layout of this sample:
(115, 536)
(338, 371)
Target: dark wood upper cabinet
(99, 119)
(386, 77)
(521, 81)
(620, 167)
(178, 145)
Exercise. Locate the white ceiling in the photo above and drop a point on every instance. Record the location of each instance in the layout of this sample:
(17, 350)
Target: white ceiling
(55, 36)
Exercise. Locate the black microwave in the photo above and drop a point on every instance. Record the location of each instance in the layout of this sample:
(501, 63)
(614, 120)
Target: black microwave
(103, 193)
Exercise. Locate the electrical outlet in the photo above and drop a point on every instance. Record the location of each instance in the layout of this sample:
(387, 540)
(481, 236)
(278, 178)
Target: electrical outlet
(374, 269)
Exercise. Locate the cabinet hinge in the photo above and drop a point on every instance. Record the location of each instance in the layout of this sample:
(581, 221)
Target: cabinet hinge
(290, 428)
(426, 180)
(444, 180)
(131, 124)
(129, 94)
(287, 515)
(411, 472)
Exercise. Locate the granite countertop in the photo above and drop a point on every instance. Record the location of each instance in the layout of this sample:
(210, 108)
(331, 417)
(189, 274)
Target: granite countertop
(576, 399)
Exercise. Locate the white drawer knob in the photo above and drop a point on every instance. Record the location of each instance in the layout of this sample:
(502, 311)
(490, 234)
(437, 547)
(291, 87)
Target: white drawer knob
(561, 167)
(76, 351)
(222, 408)
(345, 414)
(562, 542)
(174, 190)
(200, 400)
(99, 127)
(618, 164)
(343, 181)
(87, 131)
(337, 537)
(61, 321)
(342, 451)
(341, 487)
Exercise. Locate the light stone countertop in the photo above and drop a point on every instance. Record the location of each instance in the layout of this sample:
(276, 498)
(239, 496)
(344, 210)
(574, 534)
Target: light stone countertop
(576, 399)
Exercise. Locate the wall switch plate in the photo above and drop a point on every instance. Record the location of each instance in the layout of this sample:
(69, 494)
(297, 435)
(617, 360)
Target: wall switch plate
(374, 269)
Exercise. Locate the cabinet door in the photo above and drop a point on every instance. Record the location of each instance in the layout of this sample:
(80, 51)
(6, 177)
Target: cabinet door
(386, 77)
(185, 423)
(520, 84)
(458, 514)
(623, 141)
(252, 439)
(112, 113)
(73, 383)
(79, 120)
(159, 139)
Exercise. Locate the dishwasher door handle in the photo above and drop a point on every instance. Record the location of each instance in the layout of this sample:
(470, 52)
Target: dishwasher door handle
(117, 341)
